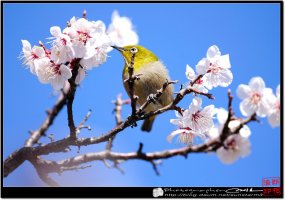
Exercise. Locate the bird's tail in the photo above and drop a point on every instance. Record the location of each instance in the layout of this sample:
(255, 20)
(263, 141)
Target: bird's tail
(147, 124)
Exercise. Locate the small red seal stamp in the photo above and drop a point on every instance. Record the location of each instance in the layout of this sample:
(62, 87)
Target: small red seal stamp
(271, 186)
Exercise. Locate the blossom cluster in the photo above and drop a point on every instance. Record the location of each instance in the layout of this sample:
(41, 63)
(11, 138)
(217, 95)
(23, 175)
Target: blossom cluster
(214, 71)
(83, 42)
(195, 121)
(215, 68)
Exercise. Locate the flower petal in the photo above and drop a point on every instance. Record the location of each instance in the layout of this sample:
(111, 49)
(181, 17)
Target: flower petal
(227, 156)
(177, 114)
(190, 74)
(39, 51)
(55, 31)
(195, 105)
(244, 146)
(243, 91)
(177, 122)
(213, 133)
(100, 26)
(274, 119)
(65, 72)
(213, 51)
(41, 68)
(222, 115)
(26, 45)
(57, 82)
(245, 131)
(247, 108)
(202, 67)
(263, 108)
(234, 124)
(80, 76)
(186, 138)
(224, 61)
(278, 91)
(225, 78)
(174, 133)
(257, 84)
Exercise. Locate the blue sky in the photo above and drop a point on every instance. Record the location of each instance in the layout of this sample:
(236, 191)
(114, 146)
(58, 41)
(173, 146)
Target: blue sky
(178, 34)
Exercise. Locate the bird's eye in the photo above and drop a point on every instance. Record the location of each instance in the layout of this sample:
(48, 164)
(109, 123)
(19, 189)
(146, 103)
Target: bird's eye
(133, 50)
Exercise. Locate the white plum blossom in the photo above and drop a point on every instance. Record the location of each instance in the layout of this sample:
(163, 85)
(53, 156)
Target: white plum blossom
(62, 50)
(90, 41)
(254, 97)
(121, 31)
(274, 108)
(186, 134)
(194, 122)
(200, 120)
(97, 52)
(82, 42)
(216, 68)
(235, 146)
(31, 55)
(199, 84)
(49, 72)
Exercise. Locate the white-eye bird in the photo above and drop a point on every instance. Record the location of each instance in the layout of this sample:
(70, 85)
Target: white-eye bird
(154, 75)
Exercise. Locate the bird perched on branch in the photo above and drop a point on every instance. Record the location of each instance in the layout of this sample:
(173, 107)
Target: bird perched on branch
(153, 75)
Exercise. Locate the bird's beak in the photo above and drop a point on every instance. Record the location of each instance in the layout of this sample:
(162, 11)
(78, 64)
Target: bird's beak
(118, 48)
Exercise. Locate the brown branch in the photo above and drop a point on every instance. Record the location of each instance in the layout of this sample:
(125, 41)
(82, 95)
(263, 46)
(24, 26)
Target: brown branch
(131, 82)
(70, 98)
(211, 145)
(30, 152)
(17, 158)
(63, 144)
(226, 130)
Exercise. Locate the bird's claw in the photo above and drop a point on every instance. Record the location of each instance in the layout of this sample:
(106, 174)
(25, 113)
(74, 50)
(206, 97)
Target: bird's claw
(151, 98)
(132, 121)
(134, 124)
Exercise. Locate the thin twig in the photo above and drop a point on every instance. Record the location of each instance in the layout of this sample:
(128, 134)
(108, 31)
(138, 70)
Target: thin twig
(84, 14)
(118, 108)
(81, 124)
(118, 117)
(43, 169)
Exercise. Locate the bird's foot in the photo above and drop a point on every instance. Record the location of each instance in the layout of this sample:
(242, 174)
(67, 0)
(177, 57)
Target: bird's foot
(151, 98)
(132, 121)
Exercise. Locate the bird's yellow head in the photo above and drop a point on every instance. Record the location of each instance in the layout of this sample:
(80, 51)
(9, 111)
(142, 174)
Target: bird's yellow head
(143, 56)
